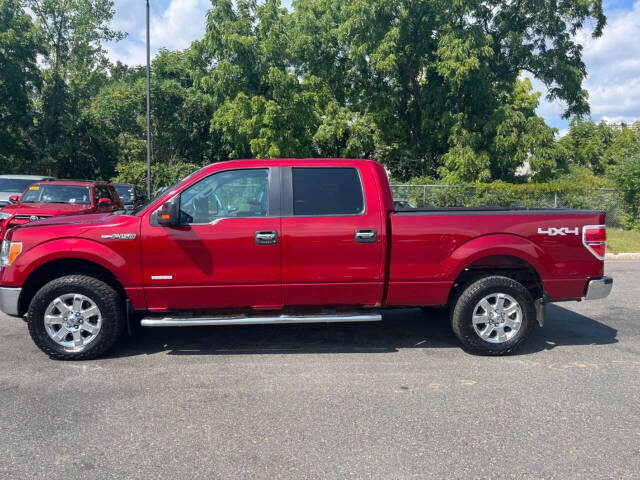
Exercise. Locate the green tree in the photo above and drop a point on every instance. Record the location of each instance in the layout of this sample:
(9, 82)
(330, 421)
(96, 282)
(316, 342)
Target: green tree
(514, 137)
(433, 75)
(586, 143)
(627, 178)
(162, 174)
(429, 88)
(261, 107)
(626, 142)
(75, 68)
(180, 118)
(19, 79)
(599, 147)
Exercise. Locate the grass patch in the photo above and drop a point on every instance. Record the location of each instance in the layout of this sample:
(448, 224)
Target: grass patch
(621, 241)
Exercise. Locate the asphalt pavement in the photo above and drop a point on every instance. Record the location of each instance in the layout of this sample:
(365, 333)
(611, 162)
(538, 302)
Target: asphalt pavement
(390, 400)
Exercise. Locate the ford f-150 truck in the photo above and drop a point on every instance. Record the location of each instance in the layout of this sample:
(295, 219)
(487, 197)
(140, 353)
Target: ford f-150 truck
(295, 241)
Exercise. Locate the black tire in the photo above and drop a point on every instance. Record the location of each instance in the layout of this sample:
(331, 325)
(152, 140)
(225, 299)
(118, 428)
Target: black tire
(463, 310)
(103, 295)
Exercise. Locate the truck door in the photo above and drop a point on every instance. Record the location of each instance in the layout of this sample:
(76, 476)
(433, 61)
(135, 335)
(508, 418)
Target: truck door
(226, 251)
(331, 226)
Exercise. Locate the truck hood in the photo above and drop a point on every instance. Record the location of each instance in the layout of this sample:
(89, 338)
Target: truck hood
(89, 219)
(91, 226)
(46, 209)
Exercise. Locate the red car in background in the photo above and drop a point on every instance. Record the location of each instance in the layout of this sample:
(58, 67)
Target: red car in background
(54, 198)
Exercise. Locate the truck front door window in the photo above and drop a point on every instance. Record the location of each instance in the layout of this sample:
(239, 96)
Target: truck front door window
(233, 193)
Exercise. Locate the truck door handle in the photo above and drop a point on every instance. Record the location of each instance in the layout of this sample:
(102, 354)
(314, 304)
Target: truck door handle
(266, 237)
(368, 235)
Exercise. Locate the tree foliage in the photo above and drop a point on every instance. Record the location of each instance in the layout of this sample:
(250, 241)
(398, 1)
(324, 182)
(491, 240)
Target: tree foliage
(74, 70)
(435, 76)
(20, 80)
(436, 89)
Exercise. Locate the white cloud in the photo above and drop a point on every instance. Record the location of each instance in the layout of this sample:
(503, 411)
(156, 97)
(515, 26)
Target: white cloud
(180, 24)
(173, 27)
(613, 63)
(613, 70)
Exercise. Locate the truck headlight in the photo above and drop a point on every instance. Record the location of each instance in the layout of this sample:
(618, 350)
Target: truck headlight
(4, 215)
(9, 251)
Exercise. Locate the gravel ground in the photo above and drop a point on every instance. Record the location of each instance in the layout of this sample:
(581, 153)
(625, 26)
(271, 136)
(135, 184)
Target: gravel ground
(395, 399)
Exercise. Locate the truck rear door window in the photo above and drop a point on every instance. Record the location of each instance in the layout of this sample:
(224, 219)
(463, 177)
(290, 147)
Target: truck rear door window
(327, 191)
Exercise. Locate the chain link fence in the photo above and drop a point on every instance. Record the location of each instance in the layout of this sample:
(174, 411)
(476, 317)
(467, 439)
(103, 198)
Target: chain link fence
(436, 196)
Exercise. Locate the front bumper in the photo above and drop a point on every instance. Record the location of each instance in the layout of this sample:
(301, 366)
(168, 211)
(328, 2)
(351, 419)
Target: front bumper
(9, 297)
(599, 288)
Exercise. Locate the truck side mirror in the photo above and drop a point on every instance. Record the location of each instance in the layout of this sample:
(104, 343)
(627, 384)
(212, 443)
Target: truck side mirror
(13, 198)
(169, 213)
(104, 201)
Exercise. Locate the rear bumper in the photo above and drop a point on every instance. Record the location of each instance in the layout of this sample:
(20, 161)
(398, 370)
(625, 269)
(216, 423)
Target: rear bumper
(598, 288)
(9, 297)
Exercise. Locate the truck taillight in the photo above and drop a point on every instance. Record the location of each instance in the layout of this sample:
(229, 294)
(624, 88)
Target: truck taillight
(594, 237)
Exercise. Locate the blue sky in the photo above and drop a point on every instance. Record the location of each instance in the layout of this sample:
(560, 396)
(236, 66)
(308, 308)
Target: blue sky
(613, 60)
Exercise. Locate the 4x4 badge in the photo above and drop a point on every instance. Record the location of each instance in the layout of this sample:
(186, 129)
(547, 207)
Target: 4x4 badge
(553, 231)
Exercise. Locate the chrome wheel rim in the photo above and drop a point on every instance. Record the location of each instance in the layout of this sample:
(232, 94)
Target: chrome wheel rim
(497, 318)
(73, 321)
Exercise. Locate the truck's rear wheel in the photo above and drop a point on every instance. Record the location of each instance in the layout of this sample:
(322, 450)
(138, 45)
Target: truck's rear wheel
(75, 317)
(493, 316)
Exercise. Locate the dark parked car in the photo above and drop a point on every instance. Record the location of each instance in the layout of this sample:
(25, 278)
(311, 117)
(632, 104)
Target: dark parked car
(130, 195)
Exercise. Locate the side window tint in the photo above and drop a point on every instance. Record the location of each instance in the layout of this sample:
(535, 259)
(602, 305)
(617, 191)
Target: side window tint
(234, 193)
(115, 198)
(101, 192)
(327, 191)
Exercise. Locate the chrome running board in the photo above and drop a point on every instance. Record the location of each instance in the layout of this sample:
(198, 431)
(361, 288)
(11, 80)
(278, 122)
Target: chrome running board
(246, 320)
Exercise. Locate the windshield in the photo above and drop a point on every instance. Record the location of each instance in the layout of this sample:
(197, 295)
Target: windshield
(71, 194)
(14, 185)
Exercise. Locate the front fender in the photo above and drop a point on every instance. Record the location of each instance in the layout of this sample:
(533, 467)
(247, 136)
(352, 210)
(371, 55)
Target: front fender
(126, 270)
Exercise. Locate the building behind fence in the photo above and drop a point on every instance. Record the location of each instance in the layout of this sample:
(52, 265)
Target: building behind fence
(427, 196)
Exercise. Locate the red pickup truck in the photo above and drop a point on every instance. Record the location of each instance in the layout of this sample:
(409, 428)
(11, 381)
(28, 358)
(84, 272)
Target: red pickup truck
(58, 197)
(295, 241)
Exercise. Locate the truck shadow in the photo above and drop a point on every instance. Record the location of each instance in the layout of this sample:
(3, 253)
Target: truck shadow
(564, 327)
(407, 328)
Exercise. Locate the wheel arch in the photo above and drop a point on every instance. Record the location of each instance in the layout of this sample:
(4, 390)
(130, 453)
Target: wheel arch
(507, 265)
(53, 269)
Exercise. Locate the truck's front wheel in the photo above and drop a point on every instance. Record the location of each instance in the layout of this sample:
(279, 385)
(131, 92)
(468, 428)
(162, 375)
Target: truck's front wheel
(75, 317)
(493, 316)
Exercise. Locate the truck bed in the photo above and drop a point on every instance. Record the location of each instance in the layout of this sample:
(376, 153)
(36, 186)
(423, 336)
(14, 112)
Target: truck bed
(430, 247)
